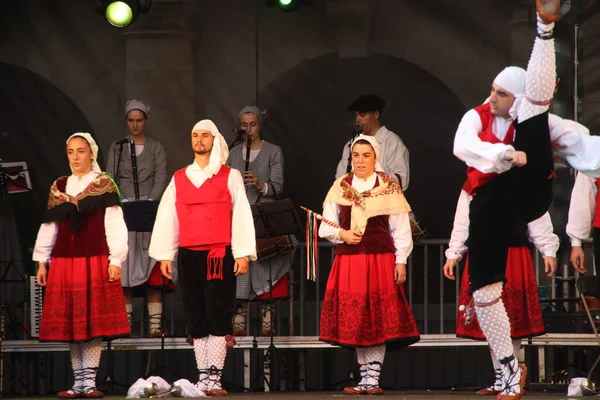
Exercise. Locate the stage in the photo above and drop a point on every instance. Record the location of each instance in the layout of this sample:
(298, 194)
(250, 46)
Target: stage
(392, 395)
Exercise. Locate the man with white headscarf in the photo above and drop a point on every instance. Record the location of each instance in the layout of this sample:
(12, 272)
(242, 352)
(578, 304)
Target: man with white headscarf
(508, 145)
(204, 219)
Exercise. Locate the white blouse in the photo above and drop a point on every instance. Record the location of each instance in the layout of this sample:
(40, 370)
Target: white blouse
(399, 223)
(114, 225)
(582, 209)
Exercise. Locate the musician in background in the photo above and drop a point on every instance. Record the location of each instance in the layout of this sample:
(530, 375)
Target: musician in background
(141, 274)
(80, 248)
(263, 176)
(394, 154)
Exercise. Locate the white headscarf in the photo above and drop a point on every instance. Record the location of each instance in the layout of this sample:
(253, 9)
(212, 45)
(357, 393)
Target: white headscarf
(137, 105)
(374, 144)
(93, 146)
(220, 151)
(513, 80)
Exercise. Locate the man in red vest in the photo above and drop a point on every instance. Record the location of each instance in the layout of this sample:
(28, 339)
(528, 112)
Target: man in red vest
(584, 219)
(205, 219)
(512, 130)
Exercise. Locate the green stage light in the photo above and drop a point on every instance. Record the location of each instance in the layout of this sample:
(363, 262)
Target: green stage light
(122, 13)
(288, 5)
(119, 14)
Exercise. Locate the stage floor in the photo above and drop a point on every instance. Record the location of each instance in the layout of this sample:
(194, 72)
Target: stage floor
(396, 395)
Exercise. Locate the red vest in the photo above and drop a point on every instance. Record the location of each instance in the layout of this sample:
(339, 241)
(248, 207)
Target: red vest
(476, 178)
(377, 237)
(204, 213)
(90, 239)
(597, 217)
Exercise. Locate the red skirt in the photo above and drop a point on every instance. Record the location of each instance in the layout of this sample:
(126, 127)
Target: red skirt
(520, 297)
(80, 303)
(156, 280)
(281, 290)
(363, 307)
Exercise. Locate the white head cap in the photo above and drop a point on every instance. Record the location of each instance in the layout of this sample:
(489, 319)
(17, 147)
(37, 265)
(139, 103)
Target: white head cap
(93, 146)
(513, 80)
(220, 151)
(374, 144)
(137, 105)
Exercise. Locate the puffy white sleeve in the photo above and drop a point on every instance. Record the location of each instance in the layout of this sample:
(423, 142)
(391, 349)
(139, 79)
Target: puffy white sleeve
(402, 235)
(572, 142)
(243, 239)
(116, 235)
(581, 209)
(485, 157)
(45, 242)
(541, 234)
(460, 229)
(164, 242)
(331, 212)
(397, 163)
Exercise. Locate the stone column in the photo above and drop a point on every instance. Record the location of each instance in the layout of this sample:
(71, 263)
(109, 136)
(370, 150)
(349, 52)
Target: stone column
(159, 71)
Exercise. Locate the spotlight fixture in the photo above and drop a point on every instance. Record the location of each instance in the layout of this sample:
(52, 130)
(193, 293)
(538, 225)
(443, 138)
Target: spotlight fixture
(122, 13)
(288, 5)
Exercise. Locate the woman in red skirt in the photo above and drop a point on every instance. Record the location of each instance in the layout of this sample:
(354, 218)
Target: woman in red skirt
(80, 248)
(364, 305)
(520, 294)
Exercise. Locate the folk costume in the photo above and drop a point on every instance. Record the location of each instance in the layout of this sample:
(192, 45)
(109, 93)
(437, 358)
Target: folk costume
(512, 197)
(520, 294)
(267, 164)
(362, 306)
(83, 232)
(150, 176)
(204, 219)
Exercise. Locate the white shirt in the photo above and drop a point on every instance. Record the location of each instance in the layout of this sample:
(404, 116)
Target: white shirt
(164, 243)
(540, 231)
(114, 226)
(572, 140)
(582, 209)
(399, 223)
(394, 157)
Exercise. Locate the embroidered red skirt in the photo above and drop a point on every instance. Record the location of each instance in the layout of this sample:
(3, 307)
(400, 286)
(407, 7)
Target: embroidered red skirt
(80, 303)
(363, 307)
(520, 297)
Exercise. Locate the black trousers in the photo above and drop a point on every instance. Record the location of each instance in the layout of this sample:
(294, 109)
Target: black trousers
(508, 202)
(208, 304)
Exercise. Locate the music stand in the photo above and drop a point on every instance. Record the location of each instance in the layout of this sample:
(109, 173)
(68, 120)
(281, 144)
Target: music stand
(140, 215)
(272, 219)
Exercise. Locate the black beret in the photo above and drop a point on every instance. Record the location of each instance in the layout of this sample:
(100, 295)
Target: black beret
(367, 102)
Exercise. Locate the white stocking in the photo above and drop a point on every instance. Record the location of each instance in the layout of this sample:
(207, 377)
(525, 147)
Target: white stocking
(517, 348)
(200, 354)
(216, 351)
(154, 317)
(374, 357)
(77, 364)
(495, 325)
(540, 81)
(90, 357)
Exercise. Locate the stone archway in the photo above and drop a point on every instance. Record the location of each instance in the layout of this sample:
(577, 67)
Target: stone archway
(306, 118)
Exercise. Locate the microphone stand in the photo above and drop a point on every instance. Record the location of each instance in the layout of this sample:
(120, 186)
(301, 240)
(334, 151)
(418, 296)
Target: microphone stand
(118, 163)
(136, 186)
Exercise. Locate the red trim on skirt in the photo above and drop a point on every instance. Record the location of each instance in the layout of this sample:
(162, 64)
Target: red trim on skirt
(157, 280)
(280, 290)
(80, 303)
(520, 297)
(362, 306)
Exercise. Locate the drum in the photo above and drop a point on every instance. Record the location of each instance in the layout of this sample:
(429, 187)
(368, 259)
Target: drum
(268, 247)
